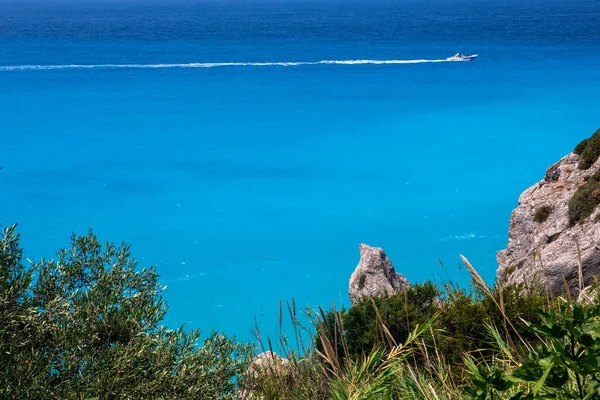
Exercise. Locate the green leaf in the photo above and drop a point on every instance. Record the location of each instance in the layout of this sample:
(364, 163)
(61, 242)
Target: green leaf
(540, 383)
(558, 377)
(527, 373)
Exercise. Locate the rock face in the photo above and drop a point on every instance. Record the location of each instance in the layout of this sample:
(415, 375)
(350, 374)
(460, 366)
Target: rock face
(374, 275)
(545, 248)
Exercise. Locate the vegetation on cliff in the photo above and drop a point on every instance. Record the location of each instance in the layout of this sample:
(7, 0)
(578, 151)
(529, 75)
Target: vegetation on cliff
(542, 213)
(585, 200)
(87, 326)
(589, 150)
(515, 344)
(462, 316)
(587, 197)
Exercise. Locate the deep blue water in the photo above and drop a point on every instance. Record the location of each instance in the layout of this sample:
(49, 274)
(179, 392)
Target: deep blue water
(247, 185)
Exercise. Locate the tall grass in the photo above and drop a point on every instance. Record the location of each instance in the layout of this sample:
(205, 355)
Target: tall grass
(421, 365)
(329, 372)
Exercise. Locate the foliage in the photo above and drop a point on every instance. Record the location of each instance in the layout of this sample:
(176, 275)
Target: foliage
(374, 376)
(303, 378)
(564, 365)
(542, 213)
(329, 372)
(466, 318)
(589, 150)
(400, 313)
(301, 375)
(88, 326)
(585, 200)
(488, 381)
(461, 326)
(580, 147)
(555, 354)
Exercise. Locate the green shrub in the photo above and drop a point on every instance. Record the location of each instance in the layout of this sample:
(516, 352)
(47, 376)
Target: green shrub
(584, 200)
(400, 314)
(565, 364)
(466, 316)
(542, 213)
(89, 326)
(589, 150)
(463, 318)
(580, 147)
(509, 269)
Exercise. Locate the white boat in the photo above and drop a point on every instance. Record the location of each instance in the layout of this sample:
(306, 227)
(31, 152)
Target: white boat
(462, 57)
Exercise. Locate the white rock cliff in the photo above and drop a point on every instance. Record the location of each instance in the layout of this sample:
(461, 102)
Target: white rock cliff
(548, 251)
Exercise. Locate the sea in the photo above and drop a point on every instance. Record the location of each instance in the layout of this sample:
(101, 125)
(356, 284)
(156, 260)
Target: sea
(247, 147)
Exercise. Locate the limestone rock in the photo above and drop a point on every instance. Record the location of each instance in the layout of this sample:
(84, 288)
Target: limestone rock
(374, 275)
(547, 250)
(264, 366)
(270, 362)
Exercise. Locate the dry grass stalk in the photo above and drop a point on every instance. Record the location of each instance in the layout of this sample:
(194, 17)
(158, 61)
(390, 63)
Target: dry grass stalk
(477, 279)
(339, 323)
(567, 290)
(386, 332)
(329, 354)
(580, 264)
(479, 282)
(501, 300)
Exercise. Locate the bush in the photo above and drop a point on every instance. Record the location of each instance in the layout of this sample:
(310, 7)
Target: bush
(400, 314)
(585, 200)
(589, 150)
(542, 213)
(462, 323)
(580, 147)
(467, 315)
(564, 365)
(88, 326)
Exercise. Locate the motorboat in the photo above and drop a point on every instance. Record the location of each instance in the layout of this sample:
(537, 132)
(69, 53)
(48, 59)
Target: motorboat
(462, 57)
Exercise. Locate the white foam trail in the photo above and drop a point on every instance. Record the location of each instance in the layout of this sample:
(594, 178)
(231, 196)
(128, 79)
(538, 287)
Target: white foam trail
(211, 65)
(465, 236)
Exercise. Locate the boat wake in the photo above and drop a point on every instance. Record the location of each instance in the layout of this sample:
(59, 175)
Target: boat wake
(213, 65)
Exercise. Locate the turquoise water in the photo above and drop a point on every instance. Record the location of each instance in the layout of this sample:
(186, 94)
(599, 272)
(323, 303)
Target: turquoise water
(246, 185)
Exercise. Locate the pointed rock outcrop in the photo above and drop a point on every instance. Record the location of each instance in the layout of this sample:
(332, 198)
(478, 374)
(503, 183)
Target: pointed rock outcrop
(374, 275)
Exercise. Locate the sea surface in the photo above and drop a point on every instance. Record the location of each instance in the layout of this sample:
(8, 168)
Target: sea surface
(209, 135)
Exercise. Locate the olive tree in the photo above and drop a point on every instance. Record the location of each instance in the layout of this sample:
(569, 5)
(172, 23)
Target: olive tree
(87, 325)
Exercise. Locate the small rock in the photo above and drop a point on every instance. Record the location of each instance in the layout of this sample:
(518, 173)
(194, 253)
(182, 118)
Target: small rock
(264, 366)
